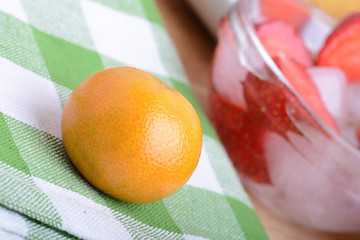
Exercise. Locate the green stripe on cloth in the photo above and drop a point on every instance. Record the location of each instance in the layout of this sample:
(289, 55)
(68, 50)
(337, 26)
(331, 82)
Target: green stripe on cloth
(248, 220)
(151, 12)
(19, 192)
(9, 153)
(139, 230)
(39, 231)
(17, 43)
(187, 208)
(19, 226)
(144, 8)
(68, 63)
(152, 214)
(53, 18)
(126, 6)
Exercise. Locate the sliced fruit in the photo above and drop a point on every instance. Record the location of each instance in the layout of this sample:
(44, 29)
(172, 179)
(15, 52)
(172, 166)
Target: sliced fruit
(242, 136)
(271, 98)
(342, 48)
(279, 38)
(268, 99)
(305, 87)
(289, 11)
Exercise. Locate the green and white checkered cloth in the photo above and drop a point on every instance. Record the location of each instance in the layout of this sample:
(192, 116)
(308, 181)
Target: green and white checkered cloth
(47, 47)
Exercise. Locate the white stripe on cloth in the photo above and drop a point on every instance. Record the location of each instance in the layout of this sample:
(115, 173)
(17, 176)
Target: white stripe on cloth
(204, 176)
(12, 225)
(10, 235)
(142, 231)
(123, 37)
(14, 8)
(29, 98)
(87, 219)
(192, 237)
(225, 171)
(81, 216)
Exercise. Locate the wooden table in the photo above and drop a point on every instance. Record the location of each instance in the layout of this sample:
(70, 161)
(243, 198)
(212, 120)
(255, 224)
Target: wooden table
(195, 47)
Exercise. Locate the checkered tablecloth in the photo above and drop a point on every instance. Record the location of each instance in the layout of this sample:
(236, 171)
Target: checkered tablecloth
(47, 47)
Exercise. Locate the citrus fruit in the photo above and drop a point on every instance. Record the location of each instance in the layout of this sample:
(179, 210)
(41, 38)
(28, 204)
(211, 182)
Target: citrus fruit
(131, 135)
(342, 48)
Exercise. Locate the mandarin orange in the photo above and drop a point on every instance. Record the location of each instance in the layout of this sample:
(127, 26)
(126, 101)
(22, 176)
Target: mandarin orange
(131, 135)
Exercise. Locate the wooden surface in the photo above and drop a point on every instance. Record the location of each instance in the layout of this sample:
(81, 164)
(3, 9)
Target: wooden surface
(195, 47)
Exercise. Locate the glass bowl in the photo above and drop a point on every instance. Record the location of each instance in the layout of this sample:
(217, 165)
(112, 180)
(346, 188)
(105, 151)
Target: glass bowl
(286, 155)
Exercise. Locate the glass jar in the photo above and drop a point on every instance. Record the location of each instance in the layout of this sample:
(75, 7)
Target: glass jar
(286, 155)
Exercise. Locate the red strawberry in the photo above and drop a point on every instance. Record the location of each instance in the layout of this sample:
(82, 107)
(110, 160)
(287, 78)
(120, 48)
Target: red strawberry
(271, 98)
(289, 11)
(304, 86)
(268, 99)
(242, 136)
(279, 38)
(342, 48)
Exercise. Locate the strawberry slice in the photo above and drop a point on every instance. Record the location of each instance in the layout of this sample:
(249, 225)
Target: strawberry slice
(268, 99)
(279, 38)
(241, 133)
(289, 11)
(305, 87)
(271, 98)
(342, 48)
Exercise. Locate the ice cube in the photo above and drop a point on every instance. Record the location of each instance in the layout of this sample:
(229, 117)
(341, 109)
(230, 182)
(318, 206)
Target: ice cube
(348, 132)
(227, 72)
(301, 189)
(331, 84)
(315, 32)
(353, 103)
